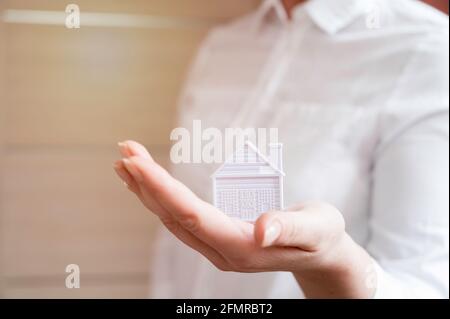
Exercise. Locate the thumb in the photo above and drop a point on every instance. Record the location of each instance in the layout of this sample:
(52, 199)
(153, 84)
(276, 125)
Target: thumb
(306, 227)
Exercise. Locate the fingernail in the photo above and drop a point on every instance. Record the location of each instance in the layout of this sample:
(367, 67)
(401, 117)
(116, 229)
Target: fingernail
(142, 153)
(133, 170)
(123, 148)
(122, 173)
(272, 233)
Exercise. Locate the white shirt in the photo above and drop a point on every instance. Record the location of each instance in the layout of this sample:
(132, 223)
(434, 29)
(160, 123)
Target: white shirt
(359, 92)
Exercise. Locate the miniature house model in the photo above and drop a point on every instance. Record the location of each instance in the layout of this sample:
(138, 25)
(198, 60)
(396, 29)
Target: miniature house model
(249, 183)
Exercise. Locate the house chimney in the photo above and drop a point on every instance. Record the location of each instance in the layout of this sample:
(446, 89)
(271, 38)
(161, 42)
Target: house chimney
(276, 155)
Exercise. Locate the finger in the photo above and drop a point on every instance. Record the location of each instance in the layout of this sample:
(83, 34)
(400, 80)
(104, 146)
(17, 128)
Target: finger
(127, 179)
(198, 217)
(184, 235)
(146, 198)
(171, 224)
(175, 228)
(133, 186)
(152, 204)
(148, 201)
(132, 148)
(305, 228)
(193, 242)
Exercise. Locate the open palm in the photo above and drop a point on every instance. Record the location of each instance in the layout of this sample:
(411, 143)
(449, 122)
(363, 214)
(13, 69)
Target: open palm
(277, 241)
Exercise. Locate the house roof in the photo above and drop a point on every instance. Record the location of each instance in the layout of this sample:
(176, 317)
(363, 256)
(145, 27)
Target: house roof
(247, 161)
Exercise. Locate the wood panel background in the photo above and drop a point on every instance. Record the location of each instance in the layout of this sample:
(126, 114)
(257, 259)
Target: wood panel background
(2, 132)
(66, 98)
(70, 95)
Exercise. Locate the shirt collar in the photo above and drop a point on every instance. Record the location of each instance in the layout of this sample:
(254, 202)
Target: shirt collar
(329, 15)
(271, 11)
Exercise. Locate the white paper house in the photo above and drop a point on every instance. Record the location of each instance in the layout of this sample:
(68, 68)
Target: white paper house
(249, 183)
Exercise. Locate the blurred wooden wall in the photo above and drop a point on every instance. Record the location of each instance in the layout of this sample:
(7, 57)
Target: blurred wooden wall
(71, 94)
(68, 97)
(2, 132)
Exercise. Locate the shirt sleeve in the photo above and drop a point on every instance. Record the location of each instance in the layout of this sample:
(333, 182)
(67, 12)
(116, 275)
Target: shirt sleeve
(409, 222)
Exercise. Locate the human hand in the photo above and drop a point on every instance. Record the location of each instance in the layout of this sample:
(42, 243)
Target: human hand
(308, 239)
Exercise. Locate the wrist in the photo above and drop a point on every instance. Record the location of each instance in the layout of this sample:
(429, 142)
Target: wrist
(339, 271)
